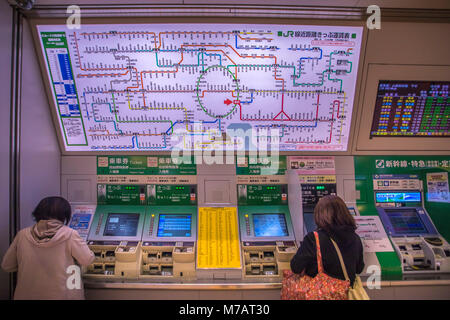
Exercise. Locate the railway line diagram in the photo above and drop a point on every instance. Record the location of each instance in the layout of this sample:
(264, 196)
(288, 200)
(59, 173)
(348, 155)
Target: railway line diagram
(149, 87)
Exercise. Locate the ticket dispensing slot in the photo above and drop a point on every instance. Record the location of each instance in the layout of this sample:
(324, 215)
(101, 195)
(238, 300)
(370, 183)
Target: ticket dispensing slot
(419, 246)
(115, 240)
(168, 248)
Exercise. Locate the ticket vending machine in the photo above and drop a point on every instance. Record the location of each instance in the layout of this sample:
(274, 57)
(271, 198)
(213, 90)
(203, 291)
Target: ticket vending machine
(311, 194)
(419, 246)
(115, 238)
(267, 235)
(170, 233)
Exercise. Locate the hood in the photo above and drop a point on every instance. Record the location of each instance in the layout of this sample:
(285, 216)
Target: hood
(47, 233)
(343, 235)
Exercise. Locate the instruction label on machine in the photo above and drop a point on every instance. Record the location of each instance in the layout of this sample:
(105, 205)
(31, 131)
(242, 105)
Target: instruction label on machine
(437, 183)
(312, 165)
(81, 219)
(372, 234)
(218, 239)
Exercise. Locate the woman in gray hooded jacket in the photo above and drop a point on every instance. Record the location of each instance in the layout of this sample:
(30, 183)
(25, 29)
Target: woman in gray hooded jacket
(45, 256)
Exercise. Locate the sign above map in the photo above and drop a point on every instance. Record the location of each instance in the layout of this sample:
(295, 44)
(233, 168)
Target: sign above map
(161, 87)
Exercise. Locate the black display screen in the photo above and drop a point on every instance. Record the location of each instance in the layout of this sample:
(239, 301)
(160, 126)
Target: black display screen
(412, 109)
(121, 225)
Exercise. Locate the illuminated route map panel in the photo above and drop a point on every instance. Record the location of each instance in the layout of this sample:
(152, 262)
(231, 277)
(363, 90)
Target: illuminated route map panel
(156, 87)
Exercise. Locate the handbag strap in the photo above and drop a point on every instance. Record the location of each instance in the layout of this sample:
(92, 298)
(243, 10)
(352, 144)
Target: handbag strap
(319, 255)
(344, 269)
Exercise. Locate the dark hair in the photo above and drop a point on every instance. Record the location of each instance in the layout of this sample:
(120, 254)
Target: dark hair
(53, 208)
(330, 212)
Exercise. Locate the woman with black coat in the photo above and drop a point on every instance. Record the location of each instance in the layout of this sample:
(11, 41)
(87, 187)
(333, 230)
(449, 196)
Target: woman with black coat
(333, 221)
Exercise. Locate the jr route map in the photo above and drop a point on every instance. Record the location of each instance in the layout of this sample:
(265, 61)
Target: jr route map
(153, 87)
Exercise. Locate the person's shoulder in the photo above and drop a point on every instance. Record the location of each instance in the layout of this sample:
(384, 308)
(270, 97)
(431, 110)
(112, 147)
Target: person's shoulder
(23, 232)
(69, 230)
(357, 238)
(310, 237)
(74, 235)
(65, 233)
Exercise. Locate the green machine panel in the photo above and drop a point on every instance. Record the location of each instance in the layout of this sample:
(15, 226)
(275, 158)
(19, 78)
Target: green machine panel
(166, 194)
(117, 223)
(121, 194)
(368, 166)
(143, 165)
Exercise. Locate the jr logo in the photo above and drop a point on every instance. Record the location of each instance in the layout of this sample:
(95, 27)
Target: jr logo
(287, 34)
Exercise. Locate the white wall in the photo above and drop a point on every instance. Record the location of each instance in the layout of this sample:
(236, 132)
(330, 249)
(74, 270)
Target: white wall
(40, 156)
(5, 66)
(39, 150)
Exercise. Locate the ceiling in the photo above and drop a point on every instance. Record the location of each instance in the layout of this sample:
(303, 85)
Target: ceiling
(402, 4)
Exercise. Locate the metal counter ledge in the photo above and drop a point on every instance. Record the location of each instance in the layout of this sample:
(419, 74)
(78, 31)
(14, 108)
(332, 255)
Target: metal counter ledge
(442, 280)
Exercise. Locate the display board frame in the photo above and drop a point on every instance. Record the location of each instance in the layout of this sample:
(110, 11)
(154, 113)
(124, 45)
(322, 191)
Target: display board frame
(200, 20)
(366, 145)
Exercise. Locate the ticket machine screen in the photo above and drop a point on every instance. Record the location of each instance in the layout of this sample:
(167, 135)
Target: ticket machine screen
(270, 225)
(174, 225)
(121, 224)
(395, 197)
(406, 221)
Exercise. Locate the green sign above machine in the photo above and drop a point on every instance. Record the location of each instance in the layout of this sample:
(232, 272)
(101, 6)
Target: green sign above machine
(246, 165)
(119, 194)
(172, 194)
(143, 165)
(261, 194)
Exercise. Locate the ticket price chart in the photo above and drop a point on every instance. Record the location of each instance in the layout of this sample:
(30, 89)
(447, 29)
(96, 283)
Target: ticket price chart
(154, 87)
(412, 108)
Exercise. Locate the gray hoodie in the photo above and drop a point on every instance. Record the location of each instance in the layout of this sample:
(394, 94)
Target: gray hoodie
(41, 255)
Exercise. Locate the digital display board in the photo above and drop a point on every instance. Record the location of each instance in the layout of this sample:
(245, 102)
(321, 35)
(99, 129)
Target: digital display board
(412, 108)
(174, 225)
(121, 224)
(270, 225)
(392, 197)
(160, 87)
(406, 222)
